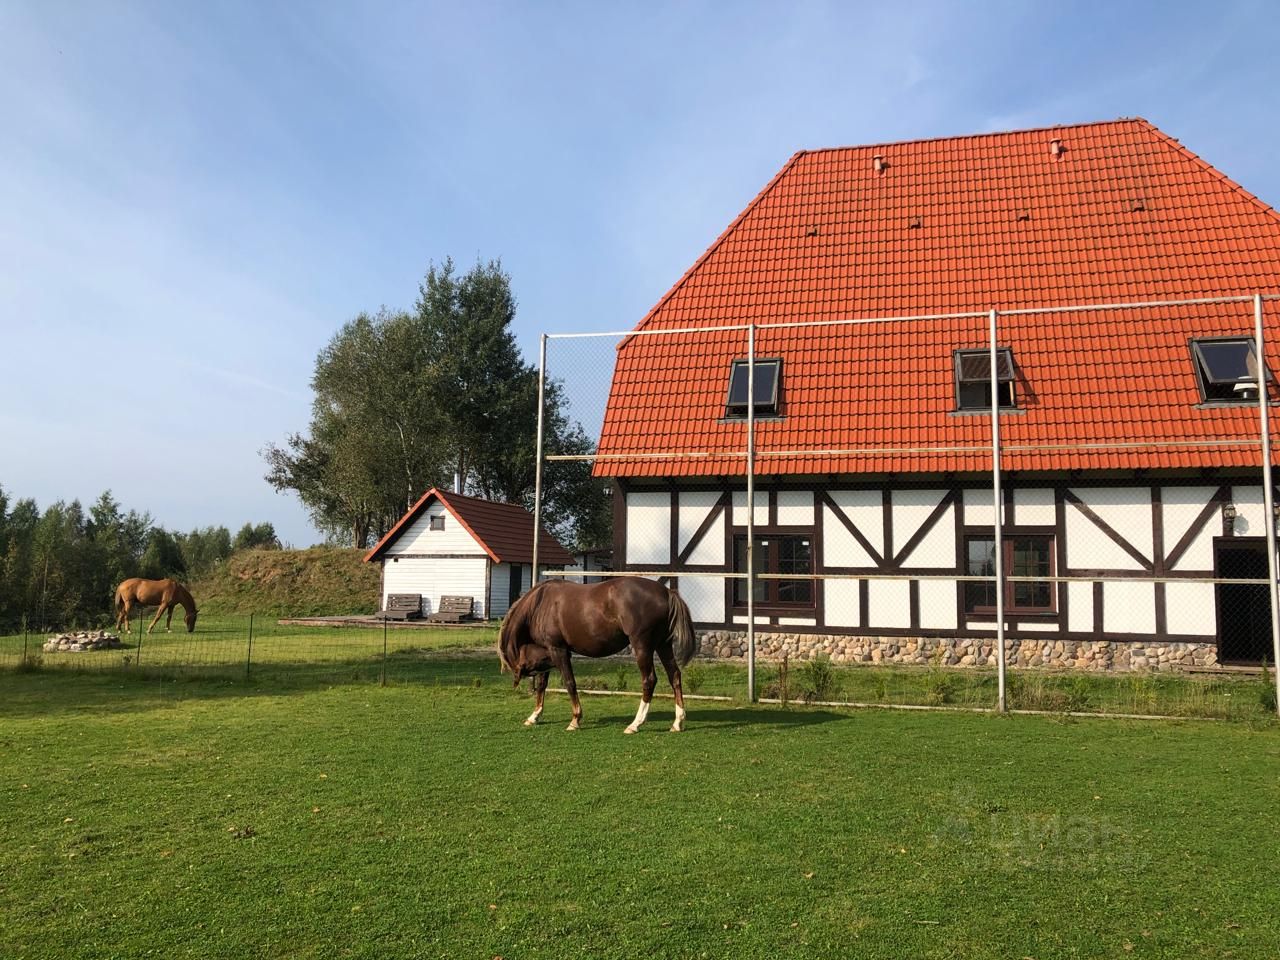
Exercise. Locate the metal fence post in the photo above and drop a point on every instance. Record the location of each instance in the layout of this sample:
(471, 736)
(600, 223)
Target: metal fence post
(26, 632)
(248, 657)
(998, 503)
(751, 513)
(384, 652)
(537, 470)
(1268, 497)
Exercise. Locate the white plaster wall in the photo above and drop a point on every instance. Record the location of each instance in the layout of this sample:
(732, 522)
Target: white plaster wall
(1191, 608)
(864, 510)
(910, 509)
(797, 622)
(1128, 607)
(1038, 627)
(759, 620)
(648, 527)
(1128, 511)
(841, 601)
(1249, 511)
(1079, 606)
(705, 597)
(889, 603)
(418, 537)
(710, 548)
(436, 578)
(695, 505)
(839, 548)
(978, 510)
(1034, 507)
(938, 604)
(1179, 509)
(740, 508)
(795, 508)
(937, 549)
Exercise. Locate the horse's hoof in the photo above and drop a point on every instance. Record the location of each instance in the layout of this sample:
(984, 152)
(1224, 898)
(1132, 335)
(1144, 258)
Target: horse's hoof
(631, 730)
(572, 726)
(676, 728)
(531, 722)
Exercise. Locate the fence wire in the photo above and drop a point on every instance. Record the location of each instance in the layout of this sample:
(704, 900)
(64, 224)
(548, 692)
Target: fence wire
(1136, 530)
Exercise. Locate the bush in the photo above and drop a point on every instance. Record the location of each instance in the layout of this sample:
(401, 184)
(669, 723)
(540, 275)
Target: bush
(692, 678)
(818, 679)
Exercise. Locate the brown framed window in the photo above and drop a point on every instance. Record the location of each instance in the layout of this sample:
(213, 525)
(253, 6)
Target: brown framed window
(1025, 555)
(785, 553)
(437, 522)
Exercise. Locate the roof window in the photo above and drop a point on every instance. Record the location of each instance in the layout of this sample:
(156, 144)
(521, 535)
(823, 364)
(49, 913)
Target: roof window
(768, 388)
(1226, 369)
(437, 522)
(973, 379)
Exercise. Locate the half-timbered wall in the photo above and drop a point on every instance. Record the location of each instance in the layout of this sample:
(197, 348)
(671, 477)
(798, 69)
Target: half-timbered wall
(877, 538)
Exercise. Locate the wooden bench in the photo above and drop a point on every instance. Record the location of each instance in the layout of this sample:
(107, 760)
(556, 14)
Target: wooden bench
(453, 610)
(403, 606)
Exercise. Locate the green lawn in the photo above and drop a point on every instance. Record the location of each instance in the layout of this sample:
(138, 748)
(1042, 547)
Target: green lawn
(211, 818)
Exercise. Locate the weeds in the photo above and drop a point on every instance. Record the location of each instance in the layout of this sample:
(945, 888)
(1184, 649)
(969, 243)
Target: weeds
(818, 679)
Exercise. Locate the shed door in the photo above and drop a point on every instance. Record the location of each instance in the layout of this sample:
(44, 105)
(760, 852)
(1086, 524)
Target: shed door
(1244, 609)
(514, 590)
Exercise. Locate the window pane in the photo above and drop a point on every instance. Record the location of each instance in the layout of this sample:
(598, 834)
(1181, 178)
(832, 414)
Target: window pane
(766, 385)
(1226, 361)
(980, 561)
(1031, 557)
(795, 556)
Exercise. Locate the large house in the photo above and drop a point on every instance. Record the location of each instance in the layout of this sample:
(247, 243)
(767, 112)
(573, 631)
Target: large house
(1130, 437)
(448, 544)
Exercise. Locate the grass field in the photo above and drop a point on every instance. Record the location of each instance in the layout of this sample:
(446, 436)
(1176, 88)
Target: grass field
(213, 818)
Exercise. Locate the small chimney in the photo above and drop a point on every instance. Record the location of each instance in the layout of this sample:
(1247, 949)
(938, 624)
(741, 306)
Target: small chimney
(879, 164)
(917, 223)
(457, 482)
(1139, 205)
(1056, 149)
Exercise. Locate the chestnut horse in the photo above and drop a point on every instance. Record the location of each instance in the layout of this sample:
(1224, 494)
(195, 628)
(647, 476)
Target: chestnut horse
(557, 619)
(166, 594)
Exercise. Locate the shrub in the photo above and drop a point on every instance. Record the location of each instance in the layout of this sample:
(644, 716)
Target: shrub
(692, 678)
(818, 679)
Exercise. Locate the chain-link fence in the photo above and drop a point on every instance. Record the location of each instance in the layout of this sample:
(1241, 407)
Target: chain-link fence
(825, 496)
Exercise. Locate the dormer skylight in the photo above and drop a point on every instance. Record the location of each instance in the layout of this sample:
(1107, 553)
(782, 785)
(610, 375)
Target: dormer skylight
(973, 379)
(1226, 369)
(768, 389)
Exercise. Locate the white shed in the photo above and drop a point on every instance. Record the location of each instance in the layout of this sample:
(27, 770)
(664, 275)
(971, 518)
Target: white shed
(452, 545)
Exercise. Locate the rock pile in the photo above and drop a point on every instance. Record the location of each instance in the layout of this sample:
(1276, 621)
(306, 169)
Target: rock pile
(75, 642)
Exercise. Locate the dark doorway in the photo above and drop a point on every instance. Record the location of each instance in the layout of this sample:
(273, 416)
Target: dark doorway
(514, 593)
(1244, 609)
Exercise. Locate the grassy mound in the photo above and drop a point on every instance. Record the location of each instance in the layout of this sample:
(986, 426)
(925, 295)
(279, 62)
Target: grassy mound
(317, 581)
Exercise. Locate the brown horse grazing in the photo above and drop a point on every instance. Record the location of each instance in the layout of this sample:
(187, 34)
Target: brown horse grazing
(166, 594)
(557, 619)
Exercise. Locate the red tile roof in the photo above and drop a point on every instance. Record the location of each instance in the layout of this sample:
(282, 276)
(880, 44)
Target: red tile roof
(504, 530)
(1125, 214)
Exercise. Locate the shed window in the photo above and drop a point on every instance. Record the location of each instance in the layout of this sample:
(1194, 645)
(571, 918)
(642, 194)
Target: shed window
(437, 522)
(768, 387)
(973, 379)
(1024, 556)
(1226, 369)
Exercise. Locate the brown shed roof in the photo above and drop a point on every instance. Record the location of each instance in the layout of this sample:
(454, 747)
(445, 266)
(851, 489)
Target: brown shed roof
(504, 530)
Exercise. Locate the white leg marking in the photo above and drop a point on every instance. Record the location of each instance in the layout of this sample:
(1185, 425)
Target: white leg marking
(641, 713)
(679, 724)
(573, 724)
(533, 717)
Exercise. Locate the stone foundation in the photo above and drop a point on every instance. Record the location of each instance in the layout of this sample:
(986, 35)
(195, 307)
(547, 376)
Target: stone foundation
(1099, 655)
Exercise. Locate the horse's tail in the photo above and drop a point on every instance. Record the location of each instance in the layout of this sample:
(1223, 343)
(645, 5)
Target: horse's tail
(510, 630)
(684, 642)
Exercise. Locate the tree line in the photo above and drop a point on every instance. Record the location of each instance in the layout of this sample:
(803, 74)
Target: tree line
(407, 400)
(60, 566)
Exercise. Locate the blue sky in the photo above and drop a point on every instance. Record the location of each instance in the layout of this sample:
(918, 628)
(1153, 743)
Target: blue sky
(193, 198)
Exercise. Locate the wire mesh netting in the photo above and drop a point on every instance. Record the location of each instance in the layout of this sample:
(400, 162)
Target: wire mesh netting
(1125, 465)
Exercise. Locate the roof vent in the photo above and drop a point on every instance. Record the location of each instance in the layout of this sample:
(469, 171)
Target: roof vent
(811, 232)
(916, 223)
(1056, 149)
(879, 164)
(1139, 204)
(1024, 215)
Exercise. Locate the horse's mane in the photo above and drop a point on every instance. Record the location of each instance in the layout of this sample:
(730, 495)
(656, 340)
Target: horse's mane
(515, 625)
